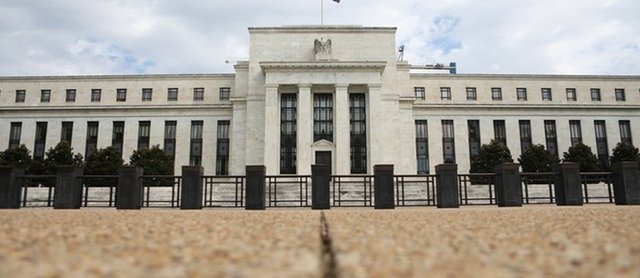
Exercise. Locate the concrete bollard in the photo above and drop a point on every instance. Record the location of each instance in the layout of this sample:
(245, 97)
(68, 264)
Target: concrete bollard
(320, 179)
(383, 187)
(68, 192)
(508, 185)
(567, 184)
(255, 187)
(626, 183)
(447, 195)
(191, 187)
(129, 188)
(10, 188)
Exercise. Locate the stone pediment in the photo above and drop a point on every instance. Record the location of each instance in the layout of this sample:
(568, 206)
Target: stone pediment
(322, 143)
(357, 65)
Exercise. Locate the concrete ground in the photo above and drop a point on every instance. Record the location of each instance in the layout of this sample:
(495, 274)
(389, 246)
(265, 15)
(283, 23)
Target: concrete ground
(540, 241)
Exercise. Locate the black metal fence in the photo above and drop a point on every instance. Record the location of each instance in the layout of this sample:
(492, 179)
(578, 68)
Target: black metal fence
(295, 191)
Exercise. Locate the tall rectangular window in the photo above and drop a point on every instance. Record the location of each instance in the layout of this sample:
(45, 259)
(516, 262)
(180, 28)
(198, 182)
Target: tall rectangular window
(551, 136)
(521, 94)
(323, 117)
(602, 147)
(500, 131)
(121, 95)
(288, 133)
(144, 130)
(472, 93)
(198, 94)
(20, 95)
(71, 95)
(575, 131)
(66, 133)
(595, 94)
(172, 94)
(474, 138)
(147, 94)
(620, 96)
(448, 142)
(422, 147)
(170, 138)
(546, 94)
(419, 92)
(117, 138)
(195, 151)
(571, 94)
(625, 132)
(96, 94)
(222, 154)
(45, 96)
(40, 140)
(225, 93)
(525, 135)
(445, 93)
(15, 134)
(92, 139)
(496, 93)
(358, 127)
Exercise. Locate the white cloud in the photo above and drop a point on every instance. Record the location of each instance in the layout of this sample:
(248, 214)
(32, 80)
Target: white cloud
(191, 36)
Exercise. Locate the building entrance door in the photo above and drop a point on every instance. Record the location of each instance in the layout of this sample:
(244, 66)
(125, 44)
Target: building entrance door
(324, 157)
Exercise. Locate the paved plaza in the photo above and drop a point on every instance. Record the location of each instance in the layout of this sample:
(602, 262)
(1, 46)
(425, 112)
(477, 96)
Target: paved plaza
(534, 240)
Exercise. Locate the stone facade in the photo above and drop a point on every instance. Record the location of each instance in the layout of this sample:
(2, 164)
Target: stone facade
(360, 61)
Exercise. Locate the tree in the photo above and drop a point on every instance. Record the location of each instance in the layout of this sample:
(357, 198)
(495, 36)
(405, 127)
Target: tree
(18, 157)
(154, 161)
(61, 154)
(489, 157)
(106, 161)
(625, 152)
(537, 159)
(582, 154)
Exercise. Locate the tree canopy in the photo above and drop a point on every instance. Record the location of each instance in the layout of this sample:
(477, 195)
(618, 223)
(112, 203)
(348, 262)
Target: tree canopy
(582, 154)
(18, 157)
(625, 152)
(106, 161)
(154, 161)
(537, 159)
(489, 156)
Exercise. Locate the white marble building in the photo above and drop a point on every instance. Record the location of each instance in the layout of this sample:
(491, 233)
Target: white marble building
(312, 94)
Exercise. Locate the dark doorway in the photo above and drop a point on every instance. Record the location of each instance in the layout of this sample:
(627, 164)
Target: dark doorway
(324, 157)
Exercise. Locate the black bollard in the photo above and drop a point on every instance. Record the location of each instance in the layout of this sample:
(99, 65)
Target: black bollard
(508, 185)
(68, 192)
(567, 184)
(320, 178)
(129, 188)
(10, 188)
(626, 183)
(383, 187)
(191, 187)
(255, 188)
(447, 195)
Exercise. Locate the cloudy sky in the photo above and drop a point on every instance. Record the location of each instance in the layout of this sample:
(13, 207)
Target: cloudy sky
(62, 37)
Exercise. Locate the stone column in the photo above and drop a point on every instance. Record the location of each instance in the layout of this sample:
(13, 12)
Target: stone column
(10, 188)
(191, 187)
(320, 178)
(129, 188)
(447, 186)
(377, 121)
(508, 185)
(305, 129)
(68, 192)
(342, 131)
(255, 187)
(271, 129)
(567, 184)
(383, 187)
(626, 183)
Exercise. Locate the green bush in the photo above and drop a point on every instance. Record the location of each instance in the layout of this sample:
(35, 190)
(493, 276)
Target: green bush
(582, 155)
(537, 159)
(489, 157)
(625, 152)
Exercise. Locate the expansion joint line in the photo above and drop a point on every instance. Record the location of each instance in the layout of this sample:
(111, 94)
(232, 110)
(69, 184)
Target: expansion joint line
(328, 254)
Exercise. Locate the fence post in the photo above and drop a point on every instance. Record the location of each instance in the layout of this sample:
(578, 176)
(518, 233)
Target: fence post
(567, 184)
(508, 185)
(129, 188)
(191, 187)
(626, 182)
(68, 192)
(447, 186)
(320, 178)
(10, 188)
(383, 187)
(255, 190)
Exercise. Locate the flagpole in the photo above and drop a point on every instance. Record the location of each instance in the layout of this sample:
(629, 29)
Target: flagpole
(321, 12)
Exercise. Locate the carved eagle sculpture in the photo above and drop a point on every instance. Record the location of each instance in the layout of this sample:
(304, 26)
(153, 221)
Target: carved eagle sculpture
(322, 47)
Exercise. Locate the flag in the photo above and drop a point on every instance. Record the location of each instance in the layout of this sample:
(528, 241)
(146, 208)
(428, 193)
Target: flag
(337, 1)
